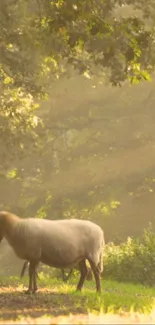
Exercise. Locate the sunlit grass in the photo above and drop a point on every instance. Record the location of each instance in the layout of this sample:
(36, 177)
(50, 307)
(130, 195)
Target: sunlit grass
(115, 297)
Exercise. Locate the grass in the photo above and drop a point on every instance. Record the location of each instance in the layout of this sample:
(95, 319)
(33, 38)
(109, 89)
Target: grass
(55, 301)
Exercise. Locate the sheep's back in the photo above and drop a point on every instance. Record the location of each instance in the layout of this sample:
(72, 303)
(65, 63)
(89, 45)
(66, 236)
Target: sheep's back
(72, 230)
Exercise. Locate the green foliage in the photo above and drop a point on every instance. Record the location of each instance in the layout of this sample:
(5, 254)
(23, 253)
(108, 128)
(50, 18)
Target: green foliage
(132, 261)
(93, 36)
(40, 40)
(43, 37)
(18, 122)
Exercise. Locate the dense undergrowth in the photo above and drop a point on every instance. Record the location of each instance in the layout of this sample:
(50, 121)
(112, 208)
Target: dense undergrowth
(132, 261)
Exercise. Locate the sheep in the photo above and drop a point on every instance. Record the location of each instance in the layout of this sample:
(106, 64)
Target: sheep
(56, 243)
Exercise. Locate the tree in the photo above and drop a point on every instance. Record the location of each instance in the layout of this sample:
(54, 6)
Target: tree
(39, 41)
(91, 35)
(37, 37)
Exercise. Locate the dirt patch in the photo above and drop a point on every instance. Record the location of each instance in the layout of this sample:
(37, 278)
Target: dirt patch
(15, 303)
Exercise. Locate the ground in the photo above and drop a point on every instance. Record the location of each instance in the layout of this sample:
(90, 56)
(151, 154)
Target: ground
(58, 303)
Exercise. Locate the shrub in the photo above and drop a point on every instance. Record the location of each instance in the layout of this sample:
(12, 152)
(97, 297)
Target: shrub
(133, 260)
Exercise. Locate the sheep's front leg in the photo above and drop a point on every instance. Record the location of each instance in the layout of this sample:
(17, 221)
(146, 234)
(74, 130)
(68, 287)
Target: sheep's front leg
(25, 265)
(35, 275)
(32, 281)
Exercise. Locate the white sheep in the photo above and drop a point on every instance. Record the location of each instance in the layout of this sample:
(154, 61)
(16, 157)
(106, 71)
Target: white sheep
(57, 243)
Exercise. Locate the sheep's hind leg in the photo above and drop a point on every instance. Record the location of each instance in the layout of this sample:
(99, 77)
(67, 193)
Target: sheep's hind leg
(69, 274)
(83, 270)
(96, 273)
(64, 277)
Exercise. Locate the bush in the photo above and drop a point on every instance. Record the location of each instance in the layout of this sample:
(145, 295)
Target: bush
(133, 260)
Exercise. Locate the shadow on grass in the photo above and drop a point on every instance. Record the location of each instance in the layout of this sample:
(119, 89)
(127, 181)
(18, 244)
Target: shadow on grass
(14, 303)
(56, 298)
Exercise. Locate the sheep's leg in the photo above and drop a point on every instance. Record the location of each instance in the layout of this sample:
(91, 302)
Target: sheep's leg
(24, 268)
(89, 275)
(31, 278)
(69, 274)
(96, 273)
(35, 275)
(83, 270)
(66, 277)
(63, 275)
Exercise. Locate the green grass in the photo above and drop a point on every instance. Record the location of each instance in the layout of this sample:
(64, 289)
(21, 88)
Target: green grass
(65, 300)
